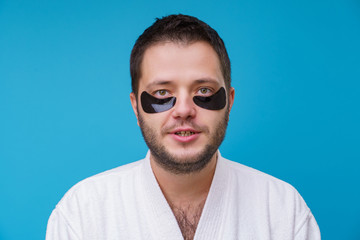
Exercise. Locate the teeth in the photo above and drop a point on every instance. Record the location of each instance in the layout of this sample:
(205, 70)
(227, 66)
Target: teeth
(184, 133)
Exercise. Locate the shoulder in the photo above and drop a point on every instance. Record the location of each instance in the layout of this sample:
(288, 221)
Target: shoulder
(240, 172)
(265, 200)
(103, 184)
(261, 189)
(93, 200)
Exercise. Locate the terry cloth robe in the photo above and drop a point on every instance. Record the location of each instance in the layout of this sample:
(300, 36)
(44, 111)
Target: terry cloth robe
(127, 203)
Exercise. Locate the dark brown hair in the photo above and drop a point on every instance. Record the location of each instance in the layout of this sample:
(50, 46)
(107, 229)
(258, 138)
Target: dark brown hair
(177, 28)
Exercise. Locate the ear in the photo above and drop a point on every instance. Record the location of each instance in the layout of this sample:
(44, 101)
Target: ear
(231, 98)
(133, 101)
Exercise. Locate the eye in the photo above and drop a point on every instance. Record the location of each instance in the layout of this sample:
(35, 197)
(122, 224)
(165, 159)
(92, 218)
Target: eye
(204, 91)
(161, 93)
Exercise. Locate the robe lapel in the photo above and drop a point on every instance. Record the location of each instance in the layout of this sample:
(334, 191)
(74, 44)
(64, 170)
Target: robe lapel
(161, 220)
(212, 217)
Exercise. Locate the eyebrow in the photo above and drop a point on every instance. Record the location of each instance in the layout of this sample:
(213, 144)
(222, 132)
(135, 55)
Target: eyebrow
(159, 83)
(206, 80)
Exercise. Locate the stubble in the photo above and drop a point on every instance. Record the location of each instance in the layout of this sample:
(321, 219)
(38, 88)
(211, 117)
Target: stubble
(174, 163)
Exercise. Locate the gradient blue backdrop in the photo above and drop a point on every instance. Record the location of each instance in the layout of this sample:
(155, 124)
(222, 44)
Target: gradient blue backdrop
(65, 112)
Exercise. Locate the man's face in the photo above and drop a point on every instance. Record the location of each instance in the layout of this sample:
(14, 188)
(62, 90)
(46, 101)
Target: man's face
(184, 138)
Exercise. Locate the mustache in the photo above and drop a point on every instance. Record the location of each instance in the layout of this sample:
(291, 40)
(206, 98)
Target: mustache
(184, 124)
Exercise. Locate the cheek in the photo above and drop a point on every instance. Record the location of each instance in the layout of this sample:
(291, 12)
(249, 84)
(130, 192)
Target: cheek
(210, 118)
(156, 120)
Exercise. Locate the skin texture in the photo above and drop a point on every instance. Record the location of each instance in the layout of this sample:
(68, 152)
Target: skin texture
(183, 165)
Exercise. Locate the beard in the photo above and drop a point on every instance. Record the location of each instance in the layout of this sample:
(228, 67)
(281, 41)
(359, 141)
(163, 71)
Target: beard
(187, 165)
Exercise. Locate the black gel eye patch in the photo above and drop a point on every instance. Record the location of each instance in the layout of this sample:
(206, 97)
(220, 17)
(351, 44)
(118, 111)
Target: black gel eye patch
(151, 104)
(216, 101)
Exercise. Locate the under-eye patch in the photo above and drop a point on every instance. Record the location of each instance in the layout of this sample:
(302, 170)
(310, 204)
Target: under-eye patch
(216, 101)
(151, 104)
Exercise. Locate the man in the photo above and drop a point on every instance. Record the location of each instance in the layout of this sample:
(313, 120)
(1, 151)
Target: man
(183, 189)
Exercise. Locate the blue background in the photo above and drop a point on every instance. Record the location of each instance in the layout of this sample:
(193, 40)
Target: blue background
(65, 112)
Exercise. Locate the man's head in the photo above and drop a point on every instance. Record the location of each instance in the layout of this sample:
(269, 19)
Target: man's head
(181, 96)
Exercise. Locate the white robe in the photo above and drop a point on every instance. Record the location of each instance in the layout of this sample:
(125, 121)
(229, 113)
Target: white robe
(127, 203)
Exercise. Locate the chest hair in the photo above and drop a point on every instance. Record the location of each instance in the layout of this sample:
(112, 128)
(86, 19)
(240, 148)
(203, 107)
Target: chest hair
(188, 217)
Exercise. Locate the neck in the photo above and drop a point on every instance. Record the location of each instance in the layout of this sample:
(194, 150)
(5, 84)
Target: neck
(180, 189)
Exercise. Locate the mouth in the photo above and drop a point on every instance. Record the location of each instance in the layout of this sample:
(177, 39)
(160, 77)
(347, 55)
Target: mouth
(184, 133)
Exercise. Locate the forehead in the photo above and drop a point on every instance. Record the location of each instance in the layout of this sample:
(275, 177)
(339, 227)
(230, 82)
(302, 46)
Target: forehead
(180, 64)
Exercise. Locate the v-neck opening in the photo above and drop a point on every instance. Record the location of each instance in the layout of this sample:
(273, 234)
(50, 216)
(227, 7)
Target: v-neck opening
(165, 224)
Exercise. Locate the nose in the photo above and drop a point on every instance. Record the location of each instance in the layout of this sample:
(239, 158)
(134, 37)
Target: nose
(184, 107)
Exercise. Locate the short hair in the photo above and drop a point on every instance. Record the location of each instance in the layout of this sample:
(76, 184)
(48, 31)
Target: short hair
(182, 29)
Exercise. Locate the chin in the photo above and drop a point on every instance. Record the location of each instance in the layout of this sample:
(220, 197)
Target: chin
(186, 154)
